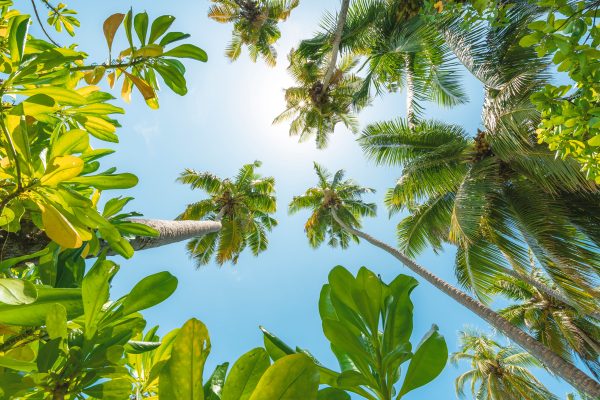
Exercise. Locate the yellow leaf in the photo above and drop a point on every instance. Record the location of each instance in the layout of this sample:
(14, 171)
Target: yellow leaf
(62, 168)
(111, 79)
(145, 89)
(58, 228)
(87, 90)
(126, 90)
(439, 6)
(96, 197)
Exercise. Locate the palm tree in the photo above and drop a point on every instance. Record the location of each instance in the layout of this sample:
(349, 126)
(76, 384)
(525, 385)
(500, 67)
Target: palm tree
(336, 205)
(497, 372)
(242, 206)
(558, 326)
(316, 109)
(254, 25)
(499, 195)
(401, 51)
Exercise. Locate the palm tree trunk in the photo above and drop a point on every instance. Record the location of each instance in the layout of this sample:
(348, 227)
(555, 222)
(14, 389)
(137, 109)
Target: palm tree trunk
(410, 90)
(335, 45)
(555, 294)
(33, 240)
(577, 378)
(172, 232)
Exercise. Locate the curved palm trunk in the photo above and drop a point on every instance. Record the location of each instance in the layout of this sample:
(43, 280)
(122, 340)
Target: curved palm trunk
(337, 38)
(555, 294)
(172, 232)
(31, 240)
(551, 360)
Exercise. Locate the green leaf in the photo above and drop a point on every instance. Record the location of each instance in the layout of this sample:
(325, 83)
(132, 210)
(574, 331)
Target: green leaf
(140, 24)
(275, 346)
(17, 365)
(172, 77)
(103, 182)
(17, 36)
(17, 291)
(34, 314)
(214, 385)
(114, 389)
(173, 37)
(114, 206)
(367, 295)
(94, 289)
(399, 321)
(149, 292)
(427, 363)
(595, 141)
(160, 26)
(187, 51)
(245, 374)
(128, 24)
(139, 347)
(73, 141)
(332, 394)
(48, 354)
(181, 378)
(56, 321)
(134, 228)
(292, 377)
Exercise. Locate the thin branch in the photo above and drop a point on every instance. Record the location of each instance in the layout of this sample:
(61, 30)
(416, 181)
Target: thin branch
(37, 15)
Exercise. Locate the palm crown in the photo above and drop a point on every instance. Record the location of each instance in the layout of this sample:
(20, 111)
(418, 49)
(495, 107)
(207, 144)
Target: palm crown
(497, 372)
(499, 195)
(254, 25)
(401, 50)
(333, 197)
(243, 205)
(558, 326)
(314, 109)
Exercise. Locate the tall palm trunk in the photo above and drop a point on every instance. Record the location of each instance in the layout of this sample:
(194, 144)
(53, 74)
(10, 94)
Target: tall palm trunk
(335, 45)
(32, 240)
(577, 378)
(172, 232)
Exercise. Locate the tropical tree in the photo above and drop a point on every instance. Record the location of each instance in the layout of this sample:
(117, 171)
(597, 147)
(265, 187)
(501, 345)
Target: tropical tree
(331, 211)
(254, 25)
(240, 207)
(402, 49)
(315, 109)
(497, 372)
(560, 327)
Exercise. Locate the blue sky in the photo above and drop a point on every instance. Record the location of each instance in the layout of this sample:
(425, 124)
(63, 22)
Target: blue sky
(224, 122)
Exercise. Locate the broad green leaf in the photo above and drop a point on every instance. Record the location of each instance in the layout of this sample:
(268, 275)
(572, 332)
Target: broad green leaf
(172, 77)
(17, 291)
(111, 24)
(94, 291)
(128, 24)
(292, 377)
(427, 363)
(114, 389)
(7, 216)
(17, 36)
(140, 24)
(399, 322)
(139, 347)
(34, 314)
(104, 182)
(114, 206)
(61, 95)
(60, 169)
(159, 26)
(17, 365)
(73, 141)
(181, 378)
(367, 295)
(100, 128)
(187, 51)
(56, 321)
(48, 354)
(275, 346)
(150, 291)
(245, 374)
(137, 229)
(332, 394)
(150, 50)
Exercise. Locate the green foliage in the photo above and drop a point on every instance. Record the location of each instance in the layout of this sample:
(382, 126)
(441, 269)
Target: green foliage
(243, 205)
(254, 25)
(48, 170)
(333, 196)
(570, 122)
(369, 325)
(497, 372)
